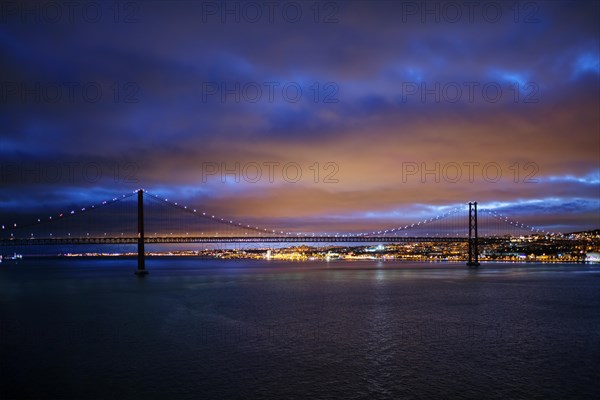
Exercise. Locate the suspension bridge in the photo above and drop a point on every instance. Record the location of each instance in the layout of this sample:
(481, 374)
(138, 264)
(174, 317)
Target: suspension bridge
(141, 218)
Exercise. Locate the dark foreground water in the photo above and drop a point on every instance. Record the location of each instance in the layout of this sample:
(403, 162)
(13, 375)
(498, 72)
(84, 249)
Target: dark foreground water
(200, 329)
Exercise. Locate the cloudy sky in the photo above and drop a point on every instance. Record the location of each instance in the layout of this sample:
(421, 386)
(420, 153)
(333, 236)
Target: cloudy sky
(301, 115)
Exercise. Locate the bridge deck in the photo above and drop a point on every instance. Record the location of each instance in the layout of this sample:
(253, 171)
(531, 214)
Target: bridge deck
(241, 239)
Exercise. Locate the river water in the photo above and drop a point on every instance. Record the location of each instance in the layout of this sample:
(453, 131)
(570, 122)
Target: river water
(230, 329)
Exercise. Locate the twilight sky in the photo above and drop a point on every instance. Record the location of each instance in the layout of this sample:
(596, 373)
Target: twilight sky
(404, 109)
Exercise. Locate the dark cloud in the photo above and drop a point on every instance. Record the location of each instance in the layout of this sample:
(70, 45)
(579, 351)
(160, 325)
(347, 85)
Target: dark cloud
(178, 90)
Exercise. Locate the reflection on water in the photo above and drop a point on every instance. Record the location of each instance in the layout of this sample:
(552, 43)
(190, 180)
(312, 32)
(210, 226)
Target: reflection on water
(193, 328)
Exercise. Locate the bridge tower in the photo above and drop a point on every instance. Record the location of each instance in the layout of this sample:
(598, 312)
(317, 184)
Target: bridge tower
(473, 236)
(141, 255)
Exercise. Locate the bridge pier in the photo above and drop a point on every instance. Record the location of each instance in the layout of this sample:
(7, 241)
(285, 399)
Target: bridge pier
(141, 255)
(473, 237)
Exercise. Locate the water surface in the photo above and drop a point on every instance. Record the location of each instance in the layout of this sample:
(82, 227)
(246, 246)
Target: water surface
(204, 329)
